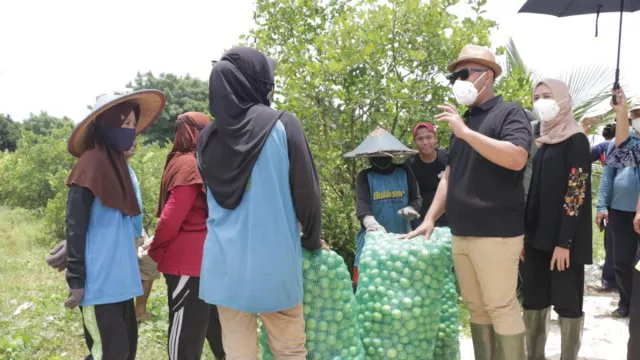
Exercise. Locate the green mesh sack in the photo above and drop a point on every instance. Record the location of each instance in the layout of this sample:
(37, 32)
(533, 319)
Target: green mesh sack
(329, 310)
(400, 294)
(447, 345)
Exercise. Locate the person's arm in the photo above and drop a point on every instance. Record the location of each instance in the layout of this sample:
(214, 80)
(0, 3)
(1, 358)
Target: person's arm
(511, 151)
(622, 131)
(305, 186)
(597, 151)
(363, 196)
(622, 117)
(363, 205)
(578, 174)
(439, 200)
(606, 189)
(79, 202)
(528, 170)
(499, 152)
(415, 200)
(180, 202)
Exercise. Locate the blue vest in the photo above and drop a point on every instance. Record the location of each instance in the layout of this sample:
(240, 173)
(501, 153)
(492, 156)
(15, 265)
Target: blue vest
(389, 193)
(111, 260)
(252, 257)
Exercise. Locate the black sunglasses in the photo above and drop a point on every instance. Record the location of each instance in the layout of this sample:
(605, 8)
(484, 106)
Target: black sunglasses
(463, 74)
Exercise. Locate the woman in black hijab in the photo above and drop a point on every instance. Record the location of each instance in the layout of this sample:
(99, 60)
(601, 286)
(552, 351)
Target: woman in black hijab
(261, 182)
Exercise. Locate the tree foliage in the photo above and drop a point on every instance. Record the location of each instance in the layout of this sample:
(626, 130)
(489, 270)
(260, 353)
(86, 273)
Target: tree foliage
(148, 164)
(516, 83)
(34, 177)
(346, 67)
(9, 133)
(183, 94)
(35, 172)
(44, 124)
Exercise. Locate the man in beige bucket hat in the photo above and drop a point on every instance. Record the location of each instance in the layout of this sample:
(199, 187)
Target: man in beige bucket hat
(484, 195)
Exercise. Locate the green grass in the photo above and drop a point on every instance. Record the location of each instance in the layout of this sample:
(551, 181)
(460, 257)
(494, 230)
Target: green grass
(45, 329)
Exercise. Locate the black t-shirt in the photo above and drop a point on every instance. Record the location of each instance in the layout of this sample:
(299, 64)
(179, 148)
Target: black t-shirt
(485, 199)
(428, 176)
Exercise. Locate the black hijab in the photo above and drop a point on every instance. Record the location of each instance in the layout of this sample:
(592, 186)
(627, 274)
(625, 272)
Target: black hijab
(229, 147)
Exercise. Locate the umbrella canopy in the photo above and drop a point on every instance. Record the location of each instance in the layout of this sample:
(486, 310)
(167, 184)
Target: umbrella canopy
(562, 8)
(380, 143)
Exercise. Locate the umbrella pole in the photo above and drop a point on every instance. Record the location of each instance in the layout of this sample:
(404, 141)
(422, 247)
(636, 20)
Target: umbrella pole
(616, 84)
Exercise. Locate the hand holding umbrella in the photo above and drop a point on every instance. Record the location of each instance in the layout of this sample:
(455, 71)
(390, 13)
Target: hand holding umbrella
(562, 8)
(619, 103)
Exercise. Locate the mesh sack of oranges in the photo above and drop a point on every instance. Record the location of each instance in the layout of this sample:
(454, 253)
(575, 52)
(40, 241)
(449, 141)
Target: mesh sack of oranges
(407, 299)
(329, 310)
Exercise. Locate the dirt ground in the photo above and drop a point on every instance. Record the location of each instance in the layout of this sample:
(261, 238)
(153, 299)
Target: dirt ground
(604, 338)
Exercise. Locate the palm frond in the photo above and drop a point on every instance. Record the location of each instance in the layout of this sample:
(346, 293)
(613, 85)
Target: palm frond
(597, 100)
(513, 61)
(588, 83)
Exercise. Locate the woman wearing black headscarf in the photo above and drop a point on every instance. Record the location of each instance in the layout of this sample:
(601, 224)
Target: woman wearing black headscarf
(261, 181)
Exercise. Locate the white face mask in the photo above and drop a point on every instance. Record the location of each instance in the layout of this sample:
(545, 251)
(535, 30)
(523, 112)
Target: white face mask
(636, 125)
(547, 109)
(466, 92)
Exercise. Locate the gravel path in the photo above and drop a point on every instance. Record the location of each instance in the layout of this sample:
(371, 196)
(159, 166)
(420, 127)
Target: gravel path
(604, 338)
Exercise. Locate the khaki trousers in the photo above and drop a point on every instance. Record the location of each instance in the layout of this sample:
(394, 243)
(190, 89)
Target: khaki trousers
(487, 272)
(285, 332)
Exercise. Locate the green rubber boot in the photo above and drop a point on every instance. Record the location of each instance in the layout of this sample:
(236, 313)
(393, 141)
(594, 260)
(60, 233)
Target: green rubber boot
(571, 337)
(537, 324)
(510, 347)
(484, 342)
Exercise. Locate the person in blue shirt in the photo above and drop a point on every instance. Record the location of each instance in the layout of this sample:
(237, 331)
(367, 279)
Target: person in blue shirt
(102, 206)
(598, 152)
(387, 194)
(619, 191)
(148, 268)
(261, 183)
(625, 154)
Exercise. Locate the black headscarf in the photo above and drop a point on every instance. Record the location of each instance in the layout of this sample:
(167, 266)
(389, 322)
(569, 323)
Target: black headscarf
(229, 147)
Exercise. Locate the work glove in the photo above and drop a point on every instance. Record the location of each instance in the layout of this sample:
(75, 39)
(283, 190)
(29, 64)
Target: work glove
(74, 299)
(143, 250)
(58, 258)
(371, 225)
(409, 213)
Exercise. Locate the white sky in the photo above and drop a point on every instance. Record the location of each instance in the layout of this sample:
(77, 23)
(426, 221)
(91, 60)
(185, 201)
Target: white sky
(57, 56)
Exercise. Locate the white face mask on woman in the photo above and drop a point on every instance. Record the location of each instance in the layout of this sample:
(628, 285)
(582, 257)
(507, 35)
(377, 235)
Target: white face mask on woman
(465, 91)
(547, 109)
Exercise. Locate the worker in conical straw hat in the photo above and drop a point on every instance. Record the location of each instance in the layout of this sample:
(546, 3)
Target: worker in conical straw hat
(102, 268)
(387, 195)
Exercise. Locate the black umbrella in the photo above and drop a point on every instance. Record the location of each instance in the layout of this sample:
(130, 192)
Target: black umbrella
(562, 8)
